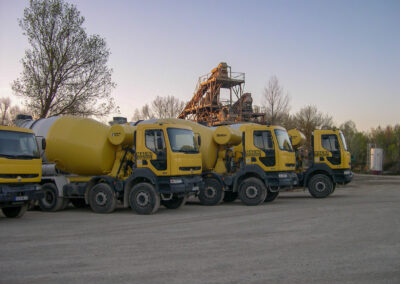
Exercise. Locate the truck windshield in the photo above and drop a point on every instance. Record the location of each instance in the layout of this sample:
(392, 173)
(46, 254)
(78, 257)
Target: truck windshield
(18, 145)
(283, 140)
(182, 140)
(343, 141)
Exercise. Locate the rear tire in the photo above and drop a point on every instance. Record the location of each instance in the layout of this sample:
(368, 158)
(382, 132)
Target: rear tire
(51, 202)
(102, 198)
(230, 196)
(320, 186)
(78, 202)
(174, 203)
(144, 199)
(252, 191)
(212, 193)
(15, 212)
(271, 196)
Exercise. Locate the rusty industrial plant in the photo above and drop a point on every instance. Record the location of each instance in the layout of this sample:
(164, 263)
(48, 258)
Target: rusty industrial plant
(206, 106)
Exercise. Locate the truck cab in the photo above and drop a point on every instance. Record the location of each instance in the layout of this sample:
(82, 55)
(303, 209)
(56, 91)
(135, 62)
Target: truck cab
(330, 150)
(268, 150)
(20, 170)
(326, 163)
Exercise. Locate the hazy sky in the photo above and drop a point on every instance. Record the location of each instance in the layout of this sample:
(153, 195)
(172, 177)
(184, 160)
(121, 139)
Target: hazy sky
(342, 56)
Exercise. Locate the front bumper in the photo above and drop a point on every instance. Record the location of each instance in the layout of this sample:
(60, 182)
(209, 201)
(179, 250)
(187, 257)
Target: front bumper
(281, 180)
(185, 185)
(343, 176)
(16, 195)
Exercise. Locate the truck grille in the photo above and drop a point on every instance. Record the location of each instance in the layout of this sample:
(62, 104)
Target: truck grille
(189, 168)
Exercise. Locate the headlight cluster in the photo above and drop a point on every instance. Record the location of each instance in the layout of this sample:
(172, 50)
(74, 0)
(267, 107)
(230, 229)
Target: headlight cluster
(175, 180)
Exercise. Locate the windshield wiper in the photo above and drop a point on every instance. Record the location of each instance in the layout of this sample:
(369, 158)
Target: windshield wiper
(25, 157)
(188, 151)
(8, 156)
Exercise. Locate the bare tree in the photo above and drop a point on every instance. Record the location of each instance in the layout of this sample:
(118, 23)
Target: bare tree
(309, 118)
(142, 114)
(7, 111)
(5, 104)
(167, 107)
(161, 107)
(276, 102)
(65, 71)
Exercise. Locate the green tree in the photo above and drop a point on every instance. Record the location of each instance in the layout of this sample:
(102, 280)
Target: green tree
(309, 118)
(65, 71)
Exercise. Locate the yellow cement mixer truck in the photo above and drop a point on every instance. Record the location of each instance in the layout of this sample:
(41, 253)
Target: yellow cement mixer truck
(141, 166)
(249, 160)
(20, 170)
(324, 164)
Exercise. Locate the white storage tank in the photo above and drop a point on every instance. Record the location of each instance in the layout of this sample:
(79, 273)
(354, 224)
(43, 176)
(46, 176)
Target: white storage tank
(376, 160)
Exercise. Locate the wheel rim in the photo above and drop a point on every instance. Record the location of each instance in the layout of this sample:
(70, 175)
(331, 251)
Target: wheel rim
(210, 192)
(251, 191)
(142, 199)
(320, 186)
(101, 198)
(49, 198)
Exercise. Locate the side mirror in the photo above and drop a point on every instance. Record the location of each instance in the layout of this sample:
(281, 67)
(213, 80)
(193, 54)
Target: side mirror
(199, 140)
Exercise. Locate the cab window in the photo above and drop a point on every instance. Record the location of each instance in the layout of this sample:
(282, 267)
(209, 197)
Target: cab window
(154, 140)
(330, 142)
(263, 140)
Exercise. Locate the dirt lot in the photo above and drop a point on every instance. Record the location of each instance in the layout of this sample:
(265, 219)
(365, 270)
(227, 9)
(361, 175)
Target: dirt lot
(352, 236)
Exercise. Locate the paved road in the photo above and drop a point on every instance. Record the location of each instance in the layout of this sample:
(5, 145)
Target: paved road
(352, 236)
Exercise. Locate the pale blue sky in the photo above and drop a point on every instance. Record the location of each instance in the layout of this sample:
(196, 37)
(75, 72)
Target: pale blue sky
(342, 56)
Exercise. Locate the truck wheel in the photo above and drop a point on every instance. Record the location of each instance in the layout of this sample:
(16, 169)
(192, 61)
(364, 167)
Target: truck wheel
(212, 193)
(230, 196)
(14, 212)
(144, 199)
(252, 191)
(51, 202)
(174, 203)
(333, 189)
(320, 186)
(78, 202)
(102, 198)
(271, 196)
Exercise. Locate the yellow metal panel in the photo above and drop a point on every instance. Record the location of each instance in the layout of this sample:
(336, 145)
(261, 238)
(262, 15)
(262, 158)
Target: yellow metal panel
(80, 146)
(225, 135)
(121, 134)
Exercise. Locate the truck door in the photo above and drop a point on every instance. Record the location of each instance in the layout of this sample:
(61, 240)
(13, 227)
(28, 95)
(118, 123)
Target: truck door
(330, 142)
(262, 140)
(155, 141)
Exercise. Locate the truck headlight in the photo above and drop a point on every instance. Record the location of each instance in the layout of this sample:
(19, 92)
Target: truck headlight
(283, 175)
(175, 180)
(347, 172)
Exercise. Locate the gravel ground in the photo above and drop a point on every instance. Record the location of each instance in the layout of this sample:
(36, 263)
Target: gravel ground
(352, 236)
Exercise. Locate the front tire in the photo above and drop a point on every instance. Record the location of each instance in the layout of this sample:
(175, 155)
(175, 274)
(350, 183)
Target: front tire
(252, 191)
(102, 198)
(15, 212)
(51, 202)
(144, 199)
(271, 196)
(212, 193)
(320, 186)
(174, 203)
